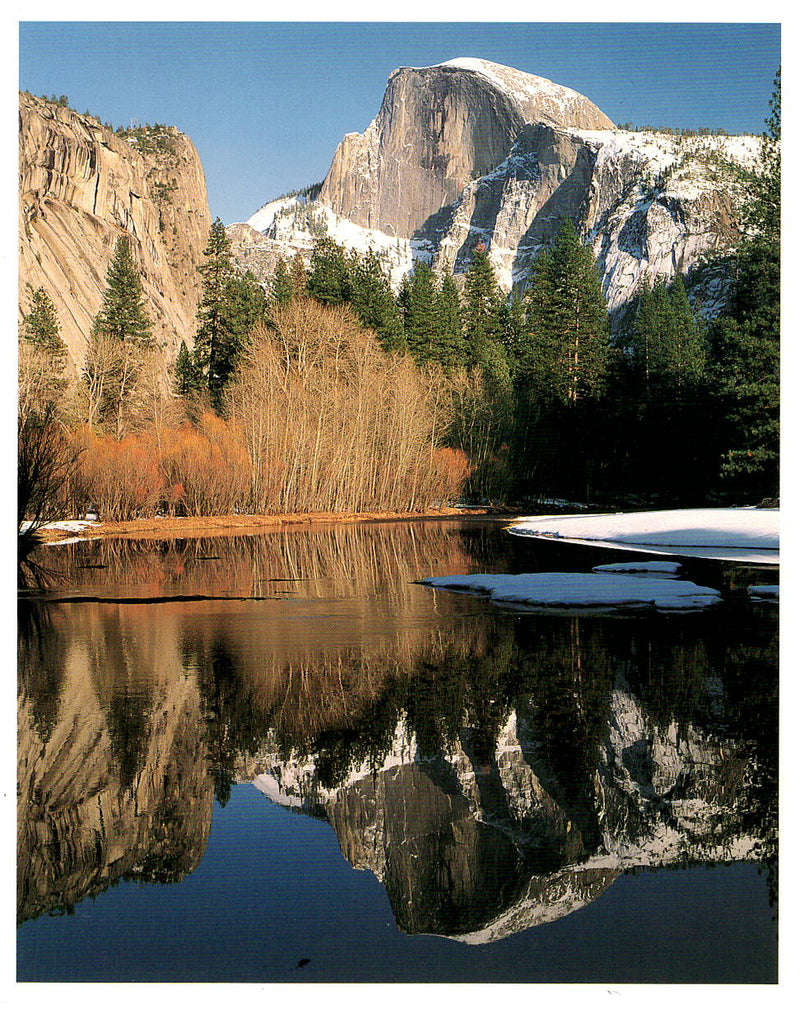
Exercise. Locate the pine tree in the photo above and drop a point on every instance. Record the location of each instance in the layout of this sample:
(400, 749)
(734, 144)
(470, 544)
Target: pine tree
(746, 339)
(668, 343)
(42, 355)
(561, 371)
(451, 347)
(667, 358)
(245, 305)
(120, 337)
(188, 378)
(299, 276)
(282, 286)
(568, 317)
(483, 309)
(122, 315)
(516, 327)
(329, 277)
(217, 347)
(421, 316)
(372, 298)
(689, 358)
(40, 326)
(763, 208)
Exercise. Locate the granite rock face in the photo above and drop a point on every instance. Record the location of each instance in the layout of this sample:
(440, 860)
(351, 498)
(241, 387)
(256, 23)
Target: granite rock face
(470, 152)
(438, 129)
(81, 188)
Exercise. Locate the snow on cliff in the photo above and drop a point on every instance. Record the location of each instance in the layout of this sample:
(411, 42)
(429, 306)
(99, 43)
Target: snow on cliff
(294, 223)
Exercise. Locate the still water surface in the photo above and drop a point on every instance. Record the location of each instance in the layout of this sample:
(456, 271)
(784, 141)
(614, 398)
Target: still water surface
(278, 758)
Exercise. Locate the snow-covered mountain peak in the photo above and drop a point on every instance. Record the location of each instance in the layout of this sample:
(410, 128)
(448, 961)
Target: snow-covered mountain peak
(520, 86)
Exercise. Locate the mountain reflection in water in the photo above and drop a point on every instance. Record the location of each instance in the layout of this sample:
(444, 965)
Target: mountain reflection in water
(494, 771)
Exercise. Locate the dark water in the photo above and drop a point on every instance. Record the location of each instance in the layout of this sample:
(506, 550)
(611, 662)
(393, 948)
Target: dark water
(277, 758)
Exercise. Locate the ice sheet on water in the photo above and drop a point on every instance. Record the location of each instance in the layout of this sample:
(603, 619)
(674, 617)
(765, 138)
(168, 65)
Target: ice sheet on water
(663, 569)
(583, 590)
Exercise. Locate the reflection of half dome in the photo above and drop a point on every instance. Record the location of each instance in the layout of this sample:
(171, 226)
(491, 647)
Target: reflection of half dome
(444, 871)
(547, 898)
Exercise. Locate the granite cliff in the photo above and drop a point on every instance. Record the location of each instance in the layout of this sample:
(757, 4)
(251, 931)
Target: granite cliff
(471, 151)
(439, 128)
(82, 187)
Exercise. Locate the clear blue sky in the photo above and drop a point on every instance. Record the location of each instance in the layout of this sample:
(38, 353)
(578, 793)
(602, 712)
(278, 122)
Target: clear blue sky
(267, 103)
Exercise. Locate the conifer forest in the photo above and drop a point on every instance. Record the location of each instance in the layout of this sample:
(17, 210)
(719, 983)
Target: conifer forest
(327, 390)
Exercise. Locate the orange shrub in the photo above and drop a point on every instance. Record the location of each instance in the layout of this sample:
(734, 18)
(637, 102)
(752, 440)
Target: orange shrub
(207, 467)
(123, 478)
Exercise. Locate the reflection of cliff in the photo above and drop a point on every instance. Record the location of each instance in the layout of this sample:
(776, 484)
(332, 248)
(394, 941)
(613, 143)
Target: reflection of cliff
(494, 772)
(132, 717)
(112, 784)
(479, 842)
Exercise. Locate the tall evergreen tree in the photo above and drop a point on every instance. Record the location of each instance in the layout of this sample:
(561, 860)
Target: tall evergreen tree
(746, 339)
(485, 356)
(121, 334)
(122, 315)
(668, 343)
(421, 316)
(688, 362)
(516, 327)
(188, 378)
(372, 298)
(231, 306)
(666, 365)
(450, 345)
(562, 369)
(483, 310)
(212, 350)
(568, 318)
(282, 286)
(42, 354)
(40, 325)
(329, 280)
(245, 305)
(299, 276)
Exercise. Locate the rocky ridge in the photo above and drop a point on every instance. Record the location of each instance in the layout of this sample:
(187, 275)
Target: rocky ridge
(82, 187)
(469, 151)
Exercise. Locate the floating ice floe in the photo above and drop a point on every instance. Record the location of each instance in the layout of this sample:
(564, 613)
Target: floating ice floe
(765, 593)
(583, 590)
(663, 569)
(742, 534)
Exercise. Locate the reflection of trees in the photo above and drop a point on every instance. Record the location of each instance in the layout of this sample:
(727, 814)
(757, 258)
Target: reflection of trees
(40, 661)
(564, 687)
(750, 673)
(156, 709)
(363, 557)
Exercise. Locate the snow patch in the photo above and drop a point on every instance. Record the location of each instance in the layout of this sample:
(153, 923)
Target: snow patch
(65, 525)
(579, 590)
(737, 533)
(522, 87)
(764, 593)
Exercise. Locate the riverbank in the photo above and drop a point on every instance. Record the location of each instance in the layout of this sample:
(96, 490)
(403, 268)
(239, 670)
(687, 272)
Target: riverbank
(166, 527)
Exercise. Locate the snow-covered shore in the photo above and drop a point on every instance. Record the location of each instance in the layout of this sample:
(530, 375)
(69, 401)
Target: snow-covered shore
(745, 534)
